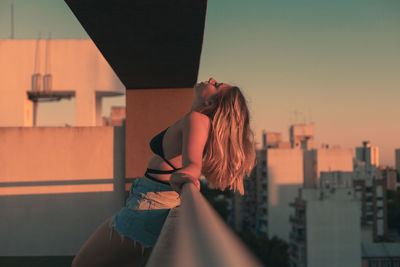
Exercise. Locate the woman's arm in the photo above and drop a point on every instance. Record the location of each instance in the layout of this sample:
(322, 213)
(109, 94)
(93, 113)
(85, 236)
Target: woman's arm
(194, 137)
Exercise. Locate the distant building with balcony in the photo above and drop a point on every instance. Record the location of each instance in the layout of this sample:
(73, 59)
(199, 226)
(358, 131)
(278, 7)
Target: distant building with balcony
(272, 185)
(250, 212)
(325, 228)
(368, 153)
(371, 189)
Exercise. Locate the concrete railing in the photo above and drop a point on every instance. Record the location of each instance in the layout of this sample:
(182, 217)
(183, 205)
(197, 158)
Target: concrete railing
(195, 235)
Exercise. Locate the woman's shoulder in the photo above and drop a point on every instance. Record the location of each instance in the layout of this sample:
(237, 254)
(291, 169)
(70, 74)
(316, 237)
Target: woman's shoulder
(195, 117)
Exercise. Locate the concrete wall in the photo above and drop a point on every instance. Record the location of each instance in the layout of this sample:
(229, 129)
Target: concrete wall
(75, 65)
(57, 185)
(285, 177)
(148, 112)
(333, 228)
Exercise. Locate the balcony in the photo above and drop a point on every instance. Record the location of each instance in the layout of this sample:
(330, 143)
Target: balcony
(297, 221)
(297, 239)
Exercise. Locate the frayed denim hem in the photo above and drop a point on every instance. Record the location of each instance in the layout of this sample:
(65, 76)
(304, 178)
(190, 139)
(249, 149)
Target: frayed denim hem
(112, 228)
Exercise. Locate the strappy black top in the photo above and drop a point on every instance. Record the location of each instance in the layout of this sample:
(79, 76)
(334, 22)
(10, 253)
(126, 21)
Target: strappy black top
(156, 147)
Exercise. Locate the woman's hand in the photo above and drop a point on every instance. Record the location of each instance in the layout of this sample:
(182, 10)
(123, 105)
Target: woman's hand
(178, 179)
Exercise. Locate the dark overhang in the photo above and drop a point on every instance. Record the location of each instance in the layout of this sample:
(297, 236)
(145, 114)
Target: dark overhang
(148, 43)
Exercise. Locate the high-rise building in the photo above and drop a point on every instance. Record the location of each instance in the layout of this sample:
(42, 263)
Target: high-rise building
(251, 213)
(302, 136)
(272, 185)
(325, 228)
(370, 188)
(372, 192)
(285, 177)
(323, 160)
(368, 153)
(397, 159)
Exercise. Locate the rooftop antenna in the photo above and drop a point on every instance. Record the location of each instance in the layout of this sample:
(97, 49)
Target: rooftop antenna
(47, 78)
(296, 118)
(12, 21)
(41, 90)
(310, 116)
(36, 79)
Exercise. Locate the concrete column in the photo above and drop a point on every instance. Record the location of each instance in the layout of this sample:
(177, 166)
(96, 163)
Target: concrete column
(85, 107)
(148, 112)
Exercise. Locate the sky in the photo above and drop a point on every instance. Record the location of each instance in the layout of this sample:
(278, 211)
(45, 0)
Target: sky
(333, 63)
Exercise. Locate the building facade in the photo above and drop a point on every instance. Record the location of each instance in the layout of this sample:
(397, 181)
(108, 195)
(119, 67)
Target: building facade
(323, 160)
(371, 189)
(325, 228)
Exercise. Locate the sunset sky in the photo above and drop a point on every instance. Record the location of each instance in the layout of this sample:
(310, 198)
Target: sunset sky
(334, 63)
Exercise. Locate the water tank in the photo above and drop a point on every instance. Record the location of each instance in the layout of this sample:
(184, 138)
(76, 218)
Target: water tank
(47, 82)
(36, 82)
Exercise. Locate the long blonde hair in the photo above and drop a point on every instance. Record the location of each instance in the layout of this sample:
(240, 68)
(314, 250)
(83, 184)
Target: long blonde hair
(229, 154)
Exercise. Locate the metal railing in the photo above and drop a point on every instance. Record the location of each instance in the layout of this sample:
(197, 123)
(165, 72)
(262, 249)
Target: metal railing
(195, 235)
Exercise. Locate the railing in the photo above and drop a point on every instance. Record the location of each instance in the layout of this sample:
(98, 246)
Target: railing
(195, 235)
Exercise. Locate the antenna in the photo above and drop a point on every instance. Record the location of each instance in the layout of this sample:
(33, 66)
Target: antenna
(37, 59)
(12, 21)
(47, 64)
(36, 80)
(47, 78)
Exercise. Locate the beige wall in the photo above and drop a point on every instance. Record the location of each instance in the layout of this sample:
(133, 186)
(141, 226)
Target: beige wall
(57, 185)
(55, 153)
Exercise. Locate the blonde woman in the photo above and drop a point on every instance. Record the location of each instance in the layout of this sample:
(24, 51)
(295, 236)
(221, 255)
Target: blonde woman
(213, 139)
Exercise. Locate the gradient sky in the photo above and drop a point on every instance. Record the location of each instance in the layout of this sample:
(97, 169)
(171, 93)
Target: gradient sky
(335, 63)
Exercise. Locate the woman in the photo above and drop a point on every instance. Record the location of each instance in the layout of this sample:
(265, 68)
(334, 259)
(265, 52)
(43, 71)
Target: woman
(214, 139)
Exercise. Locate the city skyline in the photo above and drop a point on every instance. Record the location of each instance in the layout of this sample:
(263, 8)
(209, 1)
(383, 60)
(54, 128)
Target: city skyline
(335, 62)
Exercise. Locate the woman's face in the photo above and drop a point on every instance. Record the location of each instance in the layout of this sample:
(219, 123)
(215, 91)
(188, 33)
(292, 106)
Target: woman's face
(205, 90)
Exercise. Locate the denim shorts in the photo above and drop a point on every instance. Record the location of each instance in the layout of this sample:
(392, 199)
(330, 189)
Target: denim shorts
(145, 211)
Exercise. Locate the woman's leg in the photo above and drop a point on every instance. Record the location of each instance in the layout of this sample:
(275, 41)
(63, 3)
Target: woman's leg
(99, 250)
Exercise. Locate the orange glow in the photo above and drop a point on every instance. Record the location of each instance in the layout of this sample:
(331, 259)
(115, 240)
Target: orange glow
(55, 189)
